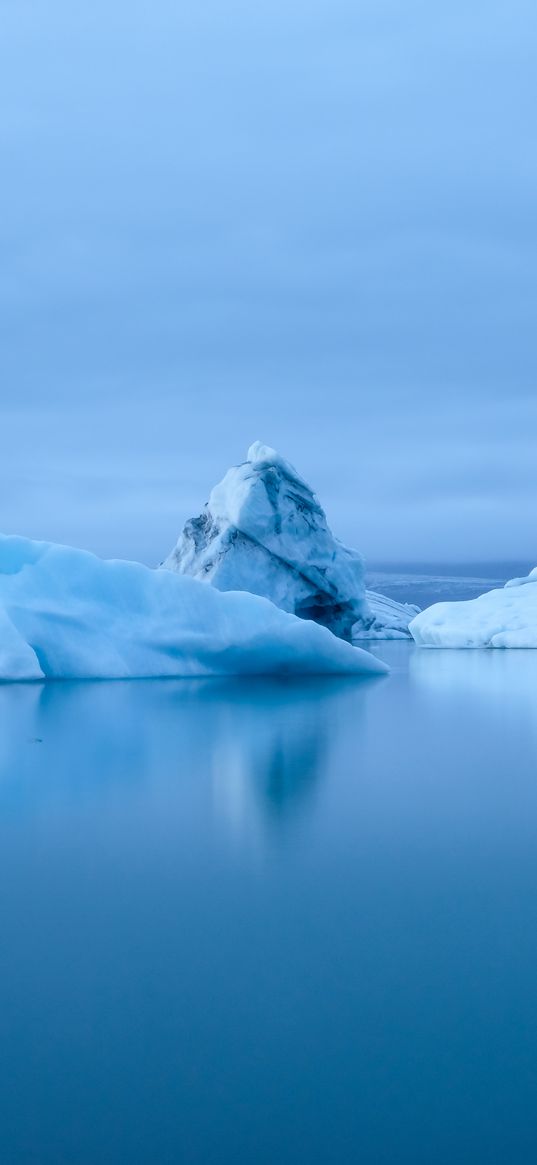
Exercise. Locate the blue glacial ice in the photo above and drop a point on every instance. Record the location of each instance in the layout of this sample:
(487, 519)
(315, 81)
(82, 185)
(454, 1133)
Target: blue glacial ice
(66, 614)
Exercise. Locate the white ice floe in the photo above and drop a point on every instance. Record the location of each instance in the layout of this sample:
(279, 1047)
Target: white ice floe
(65, 614)
(499, 618)
(263, 530)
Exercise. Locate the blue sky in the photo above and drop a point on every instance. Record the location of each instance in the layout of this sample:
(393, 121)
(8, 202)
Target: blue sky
(309, 223)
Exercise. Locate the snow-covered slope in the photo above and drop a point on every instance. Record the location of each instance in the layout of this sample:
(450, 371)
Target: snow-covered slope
(264, 531)
(499, 618)
(66, 614)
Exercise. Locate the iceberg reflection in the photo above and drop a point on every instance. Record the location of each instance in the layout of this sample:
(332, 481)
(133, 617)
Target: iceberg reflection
(257, 747)
(482, 675)
(271, 745)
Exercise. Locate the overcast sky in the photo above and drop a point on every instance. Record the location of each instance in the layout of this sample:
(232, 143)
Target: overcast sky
(312, 222)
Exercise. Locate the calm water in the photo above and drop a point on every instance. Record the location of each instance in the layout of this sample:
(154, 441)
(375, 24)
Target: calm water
(427, 583)
(272, 923)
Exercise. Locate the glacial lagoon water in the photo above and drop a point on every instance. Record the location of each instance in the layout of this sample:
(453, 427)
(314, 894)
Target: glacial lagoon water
(272, 922)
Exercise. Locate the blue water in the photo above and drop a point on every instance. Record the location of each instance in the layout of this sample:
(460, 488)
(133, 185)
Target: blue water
(272, 923)
(426, 583)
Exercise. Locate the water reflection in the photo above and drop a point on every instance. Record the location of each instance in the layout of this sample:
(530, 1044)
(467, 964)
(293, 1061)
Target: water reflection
(272, 742)
(260, 745)
(152, 972)
(492, 681)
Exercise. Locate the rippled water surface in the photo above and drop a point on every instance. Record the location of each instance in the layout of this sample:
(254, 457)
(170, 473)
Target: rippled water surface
(272, 923)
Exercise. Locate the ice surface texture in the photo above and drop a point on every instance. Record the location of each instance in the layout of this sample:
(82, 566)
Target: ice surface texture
(65, 614)
(264, 531)
(499, 618)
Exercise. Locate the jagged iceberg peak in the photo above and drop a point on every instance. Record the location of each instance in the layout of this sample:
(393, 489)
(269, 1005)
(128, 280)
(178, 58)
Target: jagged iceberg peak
(264, 457)
(264, 530)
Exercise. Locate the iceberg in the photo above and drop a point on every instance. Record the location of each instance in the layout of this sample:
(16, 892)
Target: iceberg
(66, 614)
(506, 617)
(263, 530)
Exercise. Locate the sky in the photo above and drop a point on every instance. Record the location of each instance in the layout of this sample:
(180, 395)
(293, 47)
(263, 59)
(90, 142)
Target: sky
(308, 222)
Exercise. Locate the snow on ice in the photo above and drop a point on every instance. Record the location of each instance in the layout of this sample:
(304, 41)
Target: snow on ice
(500, 618)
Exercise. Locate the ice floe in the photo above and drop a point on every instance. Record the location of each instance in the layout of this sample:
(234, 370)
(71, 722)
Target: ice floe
(66, 614)
(505, 617)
